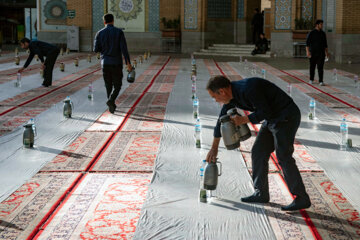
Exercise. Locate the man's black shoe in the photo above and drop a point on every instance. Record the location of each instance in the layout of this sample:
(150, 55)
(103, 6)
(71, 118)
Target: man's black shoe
(297, 204)
(111, 106)
(45, 85)
(256, 198)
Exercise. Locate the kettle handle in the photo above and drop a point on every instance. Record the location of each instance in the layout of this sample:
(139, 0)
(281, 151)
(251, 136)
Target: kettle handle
(220, 168)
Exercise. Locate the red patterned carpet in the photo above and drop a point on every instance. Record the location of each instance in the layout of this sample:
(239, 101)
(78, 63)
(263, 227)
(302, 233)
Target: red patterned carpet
(130, 151)
(104, 206)
(24, 209)
(332, 215)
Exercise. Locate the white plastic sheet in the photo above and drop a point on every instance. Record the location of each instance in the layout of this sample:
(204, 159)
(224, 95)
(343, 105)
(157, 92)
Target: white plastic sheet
(18, 164)
(172, 209)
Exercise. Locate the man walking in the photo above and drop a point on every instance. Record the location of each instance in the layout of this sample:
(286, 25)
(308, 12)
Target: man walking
(257, 24)
(42, 49)
(281, 119)
(316, 50)
(111, 43)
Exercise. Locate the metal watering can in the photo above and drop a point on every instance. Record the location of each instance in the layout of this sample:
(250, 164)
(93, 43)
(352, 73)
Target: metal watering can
(211, 174)
(68, 107)
(29, 135)
(243, 130)
(131, 76)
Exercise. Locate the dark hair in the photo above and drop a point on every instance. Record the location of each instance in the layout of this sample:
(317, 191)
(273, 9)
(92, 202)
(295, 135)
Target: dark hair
(108, 18)
(217, 82)
(319, 21)
(257, 10)
(24, 40)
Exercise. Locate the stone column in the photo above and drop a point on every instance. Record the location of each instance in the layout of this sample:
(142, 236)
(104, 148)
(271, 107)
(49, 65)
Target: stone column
(192, 25)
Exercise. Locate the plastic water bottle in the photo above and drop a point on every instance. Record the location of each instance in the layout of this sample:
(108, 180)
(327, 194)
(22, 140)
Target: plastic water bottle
(240, 59)
(344, 134)
(193, 90)
(197, 133)
(91, 92)
(18, 80)
(193, 78)
(196, 107)
(253, 69)
(312, 106)
(245, 64)
(32, 122)
(193, 87)
(193, 61)
(289, 88)
(263, 73)
(356, 80)
(202, 194)
(335, 76)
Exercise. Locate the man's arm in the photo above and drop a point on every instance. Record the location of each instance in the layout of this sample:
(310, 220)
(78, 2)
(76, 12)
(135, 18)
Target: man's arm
(97, 45)
(212, 154)
(308, 42)
(36, 50)
(326, 47)
(124, 50)
(29, 59)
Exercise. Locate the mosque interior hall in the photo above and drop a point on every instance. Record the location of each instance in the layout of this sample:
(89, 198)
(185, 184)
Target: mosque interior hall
(179, 119)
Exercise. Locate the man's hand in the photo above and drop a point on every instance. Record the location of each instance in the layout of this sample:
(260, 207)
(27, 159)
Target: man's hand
(42, 66)
(212, 154)
(129, 67)
(238, 120)
(21, 70)
(308, 54)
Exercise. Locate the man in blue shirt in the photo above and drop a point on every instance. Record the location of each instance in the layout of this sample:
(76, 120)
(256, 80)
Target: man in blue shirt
(42, 49)
(111, 43)
(281, 119)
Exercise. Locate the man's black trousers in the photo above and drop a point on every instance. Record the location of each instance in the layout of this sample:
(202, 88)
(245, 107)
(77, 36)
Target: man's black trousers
(113, 80)
(279, 137)
(319, 61)
(49, 66)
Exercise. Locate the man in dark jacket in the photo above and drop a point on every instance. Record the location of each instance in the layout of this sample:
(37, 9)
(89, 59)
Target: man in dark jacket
(257, 24)
(281, 119)
(111, 43)
(42, 49)
(261, 45)
(316, 50)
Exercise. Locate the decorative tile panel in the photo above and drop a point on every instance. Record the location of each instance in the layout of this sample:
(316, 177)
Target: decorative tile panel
(52, 15)
(154, 15)
(126, 10)
(97, 14)
(307, 9)
(240, 10)
(190, 14)
(283, 14)
(219, 8)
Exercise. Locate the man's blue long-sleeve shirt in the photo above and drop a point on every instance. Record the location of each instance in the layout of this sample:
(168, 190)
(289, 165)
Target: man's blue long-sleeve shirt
(42, 49)
(111, 43)
(264, 99)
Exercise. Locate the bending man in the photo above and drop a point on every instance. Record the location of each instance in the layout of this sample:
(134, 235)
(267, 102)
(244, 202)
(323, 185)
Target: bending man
(42, 49)
(281, 119)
